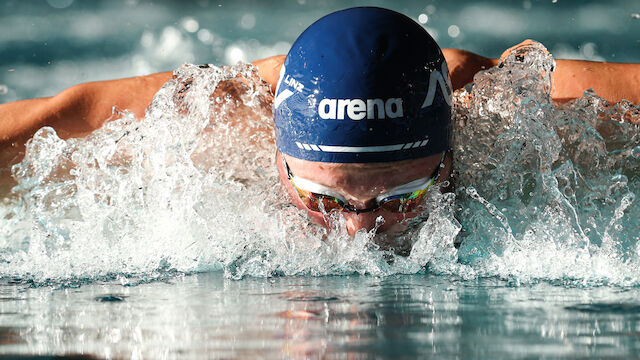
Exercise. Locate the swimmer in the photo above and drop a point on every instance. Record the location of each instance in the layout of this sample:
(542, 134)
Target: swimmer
(362, 112)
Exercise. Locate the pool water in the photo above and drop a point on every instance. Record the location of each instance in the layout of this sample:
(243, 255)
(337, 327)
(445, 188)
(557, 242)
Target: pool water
(405, 316)
(160, 239)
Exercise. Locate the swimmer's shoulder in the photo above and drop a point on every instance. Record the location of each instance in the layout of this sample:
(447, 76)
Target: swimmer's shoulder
(269, 69)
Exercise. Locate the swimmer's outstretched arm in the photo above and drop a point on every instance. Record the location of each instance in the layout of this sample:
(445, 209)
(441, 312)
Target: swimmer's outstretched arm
(79, 110)
(74, 112)
(611, 81)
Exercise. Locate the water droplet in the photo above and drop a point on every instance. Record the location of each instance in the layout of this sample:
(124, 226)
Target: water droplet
(234, 54)
(190, 24)
(248, 21)
(205, 36)
(588, 50)
(453, 31)
(423, 18)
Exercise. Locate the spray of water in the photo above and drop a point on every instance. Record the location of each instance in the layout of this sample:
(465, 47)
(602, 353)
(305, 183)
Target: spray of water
(190, 188)
(545, 192)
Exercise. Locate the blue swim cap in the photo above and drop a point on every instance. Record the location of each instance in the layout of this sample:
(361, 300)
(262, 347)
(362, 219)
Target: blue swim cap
(363, 85)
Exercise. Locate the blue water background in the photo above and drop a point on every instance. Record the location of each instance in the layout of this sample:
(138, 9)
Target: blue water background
(47, 46)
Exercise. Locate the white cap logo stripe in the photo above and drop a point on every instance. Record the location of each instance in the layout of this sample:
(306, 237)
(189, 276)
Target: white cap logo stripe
(286, 93)
(436, 78)
(361, 149)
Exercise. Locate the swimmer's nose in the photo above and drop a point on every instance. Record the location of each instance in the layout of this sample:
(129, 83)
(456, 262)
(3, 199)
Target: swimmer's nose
(356, 222)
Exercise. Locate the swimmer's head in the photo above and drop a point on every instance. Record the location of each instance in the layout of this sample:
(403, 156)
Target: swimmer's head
(363, 186)
(364, 86)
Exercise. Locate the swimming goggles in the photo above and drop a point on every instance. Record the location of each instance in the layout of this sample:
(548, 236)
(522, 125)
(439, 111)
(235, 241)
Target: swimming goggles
(401, 199)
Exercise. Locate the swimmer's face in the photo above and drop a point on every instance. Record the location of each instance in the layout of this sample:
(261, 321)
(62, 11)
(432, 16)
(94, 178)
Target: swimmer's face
(360, 184)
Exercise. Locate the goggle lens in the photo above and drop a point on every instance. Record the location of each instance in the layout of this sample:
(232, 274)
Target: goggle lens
(319, 202)
(404, 202)
(396, 204)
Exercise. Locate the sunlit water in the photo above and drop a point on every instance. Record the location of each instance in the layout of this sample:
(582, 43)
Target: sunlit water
(170, 237)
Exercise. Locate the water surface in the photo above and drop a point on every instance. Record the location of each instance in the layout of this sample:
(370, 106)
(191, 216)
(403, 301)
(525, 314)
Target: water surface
(409, 316)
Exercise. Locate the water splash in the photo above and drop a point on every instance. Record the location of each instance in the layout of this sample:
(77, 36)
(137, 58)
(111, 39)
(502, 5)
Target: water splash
(545, 191)
(191, 188)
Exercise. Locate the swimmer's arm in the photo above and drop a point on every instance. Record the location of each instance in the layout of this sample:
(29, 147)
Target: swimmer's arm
(269, 69)
(463, 65)
(612, 81)
(80, 109)
(83, 108)
(74, 112)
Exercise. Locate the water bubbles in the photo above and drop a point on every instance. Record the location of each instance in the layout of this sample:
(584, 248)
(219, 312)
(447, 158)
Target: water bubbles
(423, 18)
(190, 24)
(635, 15)
(453, 31)
(588, 50)
(4, 89)
(205, 36)
(247, 21)
(234, 54)
(570, 215)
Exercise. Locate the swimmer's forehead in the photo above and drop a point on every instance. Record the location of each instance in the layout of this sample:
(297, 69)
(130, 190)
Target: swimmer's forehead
(384, 175)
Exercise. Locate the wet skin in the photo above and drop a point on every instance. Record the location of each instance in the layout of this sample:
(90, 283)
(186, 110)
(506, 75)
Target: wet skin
(360, 184)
